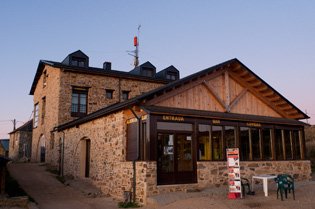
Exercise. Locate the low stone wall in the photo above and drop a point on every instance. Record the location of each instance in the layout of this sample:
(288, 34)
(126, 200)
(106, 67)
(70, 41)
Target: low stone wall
(215, 173)
(13, 202)
(209, 174)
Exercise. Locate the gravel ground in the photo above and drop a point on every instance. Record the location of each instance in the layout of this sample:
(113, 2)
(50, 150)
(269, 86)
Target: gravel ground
(49, 193)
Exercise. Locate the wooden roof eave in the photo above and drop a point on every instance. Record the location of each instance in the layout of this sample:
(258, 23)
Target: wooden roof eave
(272, 98)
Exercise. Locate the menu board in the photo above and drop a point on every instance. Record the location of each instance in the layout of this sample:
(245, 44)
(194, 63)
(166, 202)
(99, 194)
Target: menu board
(233, 163)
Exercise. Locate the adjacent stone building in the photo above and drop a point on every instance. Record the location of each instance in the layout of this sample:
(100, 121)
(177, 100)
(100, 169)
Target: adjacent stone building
(71, 89)
(20, 145)
(168, 134)
(4, 147)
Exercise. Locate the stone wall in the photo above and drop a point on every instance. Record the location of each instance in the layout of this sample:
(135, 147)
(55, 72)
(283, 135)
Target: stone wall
(58, 92)
(45, 125)
(211, 174)
(215, 173)
(113, 174)
(14, 145)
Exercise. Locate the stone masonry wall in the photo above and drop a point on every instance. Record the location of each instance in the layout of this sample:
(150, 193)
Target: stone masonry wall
(58, 92)
(215, 173)
(108, 168)
(14, 145)
(51, 92)
(96, 94)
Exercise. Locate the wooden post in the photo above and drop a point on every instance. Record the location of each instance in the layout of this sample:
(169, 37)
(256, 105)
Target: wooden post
(227, 91)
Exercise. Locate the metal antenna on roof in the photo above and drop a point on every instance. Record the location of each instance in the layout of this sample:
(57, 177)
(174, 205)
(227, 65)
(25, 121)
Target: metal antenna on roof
(135, 53)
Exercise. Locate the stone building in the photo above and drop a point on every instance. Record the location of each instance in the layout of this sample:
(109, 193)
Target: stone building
(174, 137)
(71, 89)
(21, 142)
(4, 147)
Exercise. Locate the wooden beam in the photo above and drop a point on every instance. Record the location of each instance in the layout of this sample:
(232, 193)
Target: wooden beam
(237, 99)
(277, 98)
(183, 88)
(227, 89)
(245, 72)
(280, 103)
(216, 96)
(257, 94)
(250, 79)
(287, 108)
(263, 88)
(270, 93)
(256, 83)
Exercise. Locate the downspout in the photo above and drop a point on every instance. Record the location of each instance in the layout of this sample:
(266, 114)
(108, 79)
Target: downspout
(62, 152)
(134, 182)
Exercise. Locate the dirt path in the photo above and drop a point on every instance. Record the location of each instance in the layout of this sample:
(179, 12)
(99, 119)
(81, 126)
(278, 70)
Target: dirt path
(49, 193)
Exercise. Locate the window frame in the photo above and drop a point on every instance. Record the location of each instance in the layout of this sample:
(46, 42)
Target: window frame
(109, 92)
(80, 91)
(36, 115)
(43, 114)
(125, 92)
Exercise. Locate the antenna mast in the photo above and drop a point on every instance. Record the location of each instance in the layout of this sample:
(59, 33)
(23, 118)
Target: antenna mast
(135, 53)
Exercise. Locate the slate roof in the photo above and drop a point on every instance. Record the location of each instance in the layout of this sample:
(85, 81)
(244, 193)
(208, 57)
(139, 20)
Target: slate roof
(89, 70)
(28, 126)
(140, 100)
(5, 144)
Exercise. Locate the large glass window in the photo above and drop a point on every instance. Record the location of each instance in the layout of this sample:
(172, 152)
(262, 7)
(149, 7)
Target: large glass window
(287, 142)
(278, 144)
(255, 143)
(244, 143)
(266, 141)
(296, 144)
(204, 152)
(229, 136)
(217, 143)
(79, 102)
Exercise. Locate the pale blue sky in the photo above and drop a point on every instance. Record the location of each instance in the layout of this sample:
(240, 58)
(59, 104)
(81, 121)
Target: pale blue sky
(275, 39)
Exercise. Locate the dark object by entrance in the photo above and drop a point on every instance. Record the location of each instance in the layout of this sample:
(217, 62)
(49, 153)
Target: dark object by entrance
(245, 183)
(87, 157)
(42, 154)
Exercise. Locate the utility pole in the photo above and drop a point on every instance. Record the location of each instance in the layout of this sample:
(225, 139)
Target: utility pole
(14, 124)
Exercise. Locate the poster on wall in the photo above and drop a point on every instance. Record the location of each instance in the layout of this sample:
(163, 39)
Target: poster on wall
(234, 176)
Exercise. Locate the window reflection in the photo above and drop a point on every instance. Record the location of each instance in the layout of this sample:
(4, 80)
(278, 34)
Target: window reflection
(244, 143)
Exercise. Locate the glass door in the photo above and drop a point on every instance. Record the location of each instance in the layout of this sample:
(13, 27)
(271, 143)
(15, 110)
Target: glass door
(176, 163)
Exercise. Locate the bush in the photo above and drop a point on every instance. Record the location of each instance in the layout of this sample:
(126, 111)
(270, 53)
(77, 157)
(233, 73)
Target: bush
(128, 205)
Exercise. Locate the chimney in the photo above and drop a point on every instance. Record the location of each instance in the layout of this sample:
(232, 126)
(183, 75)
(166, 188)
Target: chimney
(107, 65)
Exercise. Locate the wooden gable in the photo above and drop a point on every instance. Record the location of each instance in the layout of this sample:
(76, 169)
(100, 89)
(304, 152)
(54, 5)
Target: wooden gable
(232, 88)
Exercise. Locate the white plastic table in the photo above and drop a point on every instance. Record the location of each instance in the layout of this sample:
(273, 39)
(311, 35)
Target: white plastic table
(265, 178)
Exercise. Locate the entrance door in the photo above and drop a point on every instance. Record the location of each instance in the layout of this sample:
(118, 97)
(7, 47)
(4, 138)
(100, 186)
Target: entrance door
(176, 164)
(87, 157)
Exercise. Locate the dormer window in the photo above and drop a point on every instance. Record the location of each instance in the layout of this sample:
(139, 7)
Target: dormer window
(147, 72)
(78, 61)
(171, 76)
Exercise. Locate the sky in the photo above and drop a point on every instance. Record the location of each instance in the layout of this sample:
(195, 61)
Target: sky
(274, 38)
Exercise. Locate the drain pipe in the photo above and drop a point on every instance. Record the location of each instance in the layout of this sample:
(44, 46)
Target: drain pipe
(62, 151)
(134, 182)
